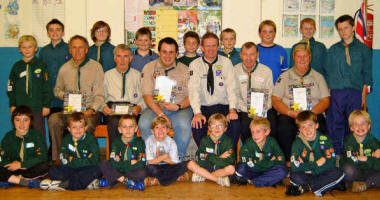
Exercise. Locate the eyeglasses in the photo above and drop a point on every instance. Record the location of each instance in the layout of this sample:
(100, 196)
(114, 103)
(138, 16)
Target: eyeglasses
(101, 31)
(214, 126)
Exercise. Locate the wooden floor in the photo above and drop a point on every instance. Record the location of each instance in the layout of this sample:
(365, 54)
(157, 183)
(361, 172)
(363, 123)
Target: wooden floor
(205, 190)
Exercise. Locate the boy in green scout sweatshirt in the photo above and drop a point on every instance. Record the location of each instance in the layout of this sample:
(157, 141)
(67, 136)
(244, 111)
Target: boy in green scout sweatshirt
(23, 155)
(312, 159)
(261, 159)
(361, 154)
(127, 159)
(191, 43)
(29, 83)
(215, 156)
(79, 158)
(228, 41)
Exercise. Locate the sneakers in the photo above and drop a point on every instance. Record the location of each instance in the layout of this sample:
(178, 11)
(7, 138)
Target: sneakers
(358, 186)
(53, 185)
(103, 183)
(238, 180)
(224, 181)
(184, 177)
(151, 181)
(341, 186)
(294, 190)
(94, 185)
(35, 183)
(135, 185)
(196, 178)
(6, 185)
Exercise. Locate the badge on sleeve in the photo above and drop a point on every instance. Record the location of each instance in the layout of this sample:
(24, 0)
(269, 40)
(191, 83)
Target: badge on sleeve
(243, 159)
(349, 154)
(71, 148)
(250, 164)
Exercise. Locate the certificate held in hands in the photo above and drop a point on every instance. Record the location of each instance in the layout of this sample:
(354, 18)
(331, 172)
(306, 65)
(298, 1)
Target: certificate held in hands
(72, 102)
(163, 91)
(121, 108)
(299, 99)
(257, 103)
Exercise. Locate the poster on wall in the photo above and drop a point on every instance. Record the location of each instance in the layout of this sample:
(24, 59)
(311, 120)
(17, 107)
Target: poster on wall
(290, 26)
(210, 4)
(186, 3)
(134, 12)
(166, 24)
(327, 6)
(307, 16)
(187, 21)
(11, 23)
(209, 21)
(153, 4)
(309, 6)
(149, 21)
(42, 12)
(326, 26)
(291, 5)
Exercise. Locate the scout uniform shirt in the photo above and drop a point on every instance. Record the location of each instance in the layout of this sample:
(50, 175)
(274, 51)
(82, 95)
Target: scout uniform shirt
(29, 84)
(315, 84)
(123, 86)
(133, 150)
(340, 75)
(234, 56)
(208, 152)
(352, 149)
(30, 149)
(54, 58)
(318, 55)
(138, 62)
(168, 146)
(187, 60)
(225, 85)
(91, 82)
(261, 81)
(84, 152)
(103, 54)
(178, 72)
(262, 159)
(321, 147)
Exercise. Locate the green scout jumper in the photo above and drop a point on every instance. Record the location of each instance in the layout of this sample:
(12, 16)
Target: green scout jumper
(85, 154)
(322, 147)
(318, 55)
(234, 56)
(187, 60)
(136, 151)
(262, 160)
(106, 55)
(34, 149)
(207, 157)
(39, 93)
(352, 149)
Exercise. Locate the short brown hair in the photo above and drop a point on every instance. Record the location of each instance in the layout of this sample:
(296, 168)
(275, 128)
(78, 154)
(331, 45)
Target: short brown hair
(228, 30)
(76, 117)
(359, 113)
(249, 45)
(23, 110)
(209, 35)
(127, 117)
(344, 18)
(143, 31)
(308, 21)
(78, 37)
(159, 120)
(218, 117)
(263, 122)
(306, 116)
(55, 21)
(301, 47)
(98, 25)
(27, 38)
(191, 34)
(267, 23)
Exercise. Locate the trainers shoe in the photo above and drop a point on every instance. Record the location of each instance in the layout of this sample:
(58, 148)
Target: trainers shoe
(94, 185)
(293, 190)
(341, 186)
(6, 185)
(184, 177)
(238, 180)
(35, 183)
(224, 181)
(358, 186)
(48, 184)
(196, 178)
(135, 185)
(151, 181)
(103, 183)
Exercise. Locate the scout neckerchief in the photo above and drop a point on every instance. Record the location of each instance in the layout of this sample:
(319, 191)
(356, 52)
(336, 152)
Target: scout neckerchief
(78, 68)
(123, 74)
(231, 53)
(347, 52)
(307, 42)
(306, 143)
(168, 70)
(76, 144)
(28, 75)
(22, 137)
(250, 75)
(210, 75)
(302, 76)
(261, 150)
(128, 152)
(361, 144)
(217, 142)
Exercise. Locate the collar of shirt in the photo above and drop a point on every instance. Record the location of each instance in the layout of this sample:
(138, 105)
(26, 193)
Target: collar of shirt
(86, 59)
(59, 45)
(254, 68)
(213, 62)
(137, 53)
(298, 74)
(80, 139)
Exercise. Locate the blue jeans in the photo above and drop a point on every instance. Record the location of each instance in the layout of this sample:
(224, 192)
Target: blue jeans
(265, 178)
(181, 124)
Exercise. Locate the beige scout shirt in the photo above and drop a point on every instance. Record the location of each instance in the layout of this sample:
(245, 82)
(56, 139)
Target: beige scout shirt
(225, 85)
(91, 82)
(113, 87)
(261, 79)
(312, 80)
(154, 69)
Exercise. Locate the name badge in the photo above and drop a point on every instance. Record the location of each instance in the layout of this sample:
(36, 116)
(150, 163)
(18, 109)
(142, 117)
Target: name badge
(209, 150)
(71, 148)
(22, 74)
(30, 145)
(259, 79)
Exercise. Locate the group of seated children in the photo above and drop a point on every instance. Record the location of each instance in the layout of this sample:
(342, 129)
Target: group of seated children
(23, 157)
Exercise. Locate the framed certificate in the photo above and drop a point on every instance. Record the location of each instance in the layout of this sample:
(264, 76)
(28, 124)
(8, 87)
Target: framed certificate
(73, 102)
(299, 98)
(121, 108)
(257, 102)
(163, 91)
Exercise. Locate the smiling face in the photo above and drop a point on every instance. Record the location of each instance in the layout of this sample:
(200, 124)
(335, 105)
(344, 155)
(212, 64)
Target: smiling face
(78, 50)
(217, 128)
(360, 126)
(127, 128)
(249, 57)
(77, 129)
(307, 30)
(191, 45)
(168, 54)
(228, 41)
(122, 59)
(21, 124)
(144, 42)
(302, 60)
(210, 48)
(160, 131)
(28, 50)
(259, 133)
(267, 35)
(308, 129)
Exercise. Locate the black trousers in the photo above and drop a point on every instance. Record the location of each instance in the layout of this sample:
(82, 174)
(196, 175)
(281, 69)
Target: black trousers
(353, 173)
(79, 178)
(166, 173)
(36, 171)
(112, 174)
